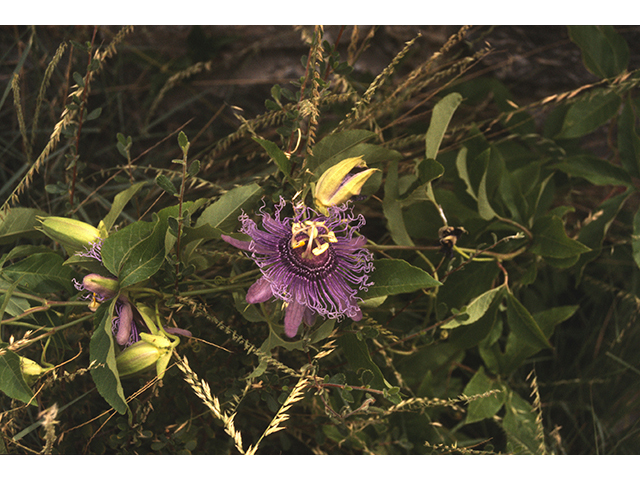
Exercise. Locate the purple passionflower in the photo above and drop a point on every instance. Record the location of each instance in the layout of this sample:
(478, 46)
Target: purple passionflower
(314, 263)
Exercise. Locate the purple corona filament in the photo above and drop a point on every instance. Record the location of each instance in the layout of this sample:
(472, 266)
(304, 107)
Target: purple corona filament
(314, 263)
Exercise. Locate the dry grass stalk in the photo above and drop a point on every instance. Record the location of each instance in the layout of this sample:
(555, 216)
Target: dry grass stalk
(297, 394)
(202, 390)
(537, 407)
(66, 118)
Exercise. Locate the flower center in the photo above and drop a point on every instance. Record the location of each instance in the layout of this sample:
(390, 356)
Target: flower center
(309, 250)
(314, 235)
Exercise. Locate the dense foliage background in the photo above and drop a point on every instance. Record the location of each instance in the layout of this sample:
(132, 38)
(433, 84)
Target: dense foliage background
(513, 332)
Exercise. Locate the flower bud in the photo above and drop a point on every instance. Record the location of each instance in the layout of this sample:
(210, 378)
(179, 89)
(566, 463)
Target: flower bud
(137, 358)
(338, 184)
(103, 287)
(30, 370)
(73, 235)
(150, 350)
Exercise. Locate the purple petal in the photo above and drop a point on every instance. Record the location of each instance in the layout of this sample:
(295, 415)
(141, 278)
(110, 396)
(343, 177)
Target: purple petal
(125, 322)
(293, 318)
(259, 292)
(309, 317)
(357, 316)
(241, 244)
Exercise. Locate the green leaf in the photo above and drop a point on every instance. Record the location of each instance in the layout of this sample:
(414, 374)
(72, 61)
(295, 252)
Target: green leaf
(588, 113)
(520, 424)
(476, 308)
(194, 168)
(102, 352)
(223, 213)
(595, 170)
(14, 305)
(42, 272)
(392, 208)
(164, 183)
(517, 350)
(19, 223)
(523, 325)
(550, 239)
(484, 208)
(183, 141)
(440, 118)
(357, 354)
(278, 156)
(393, 276)
(635, 238)
(629, 141)
(594, 232)
(604, 52)
(136, 252)
(336, 145)
(12, 383)
(77, 77)
(119, 202)
(488, 406)
(94, 114)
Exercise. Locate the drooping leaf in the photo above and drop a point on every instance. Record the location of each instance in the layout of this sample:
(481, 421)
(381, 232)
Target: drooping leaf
(551, 240)
(440, 118)
(523, 325)
(102, 352)
(12, 383)
(393, 276)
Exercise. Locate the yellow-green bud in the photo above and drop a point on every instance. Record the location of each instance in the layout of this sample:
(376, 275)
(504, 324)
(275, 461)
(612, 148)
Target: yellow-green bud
(337, 185)
(72, 234)
(30, 370)
(138, 357)
(150, 350)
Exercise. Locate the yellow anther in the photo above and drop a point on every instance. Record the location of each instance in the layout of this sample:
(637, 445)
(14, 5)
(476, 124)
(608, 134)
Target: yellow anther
(320, 249)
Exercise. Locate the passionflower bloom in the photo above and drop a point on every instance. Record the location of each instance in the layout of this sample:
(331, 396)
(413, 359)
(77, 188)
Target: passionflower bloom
(314, 263)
